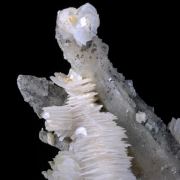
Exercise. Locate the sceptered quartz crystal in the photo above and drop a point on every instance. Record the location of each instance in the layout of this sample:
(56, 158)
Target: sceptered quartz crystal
(81, 23)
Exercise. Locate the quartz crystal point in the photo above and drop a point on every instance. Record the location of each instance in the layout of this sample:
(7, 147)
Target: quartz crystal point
(156, 152)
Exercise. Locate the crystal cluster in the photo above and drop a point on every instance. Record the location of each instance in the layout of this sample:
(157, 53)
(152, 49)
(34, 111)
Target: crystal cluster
(91, 144)
(98, 150)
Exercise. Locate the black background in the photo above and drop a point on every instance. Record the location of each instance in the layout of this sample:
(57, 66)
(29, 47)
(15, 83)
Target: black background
(144, 46)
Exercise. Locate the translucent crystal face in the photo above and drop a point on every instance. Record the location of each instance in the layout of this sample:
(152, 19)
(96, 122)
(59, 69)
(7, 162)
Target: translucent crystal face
(81, 23)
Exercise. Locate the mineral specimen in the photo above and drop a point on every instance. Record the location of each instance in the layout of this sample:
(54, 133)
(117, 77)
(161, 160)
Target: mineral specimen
(156, 152)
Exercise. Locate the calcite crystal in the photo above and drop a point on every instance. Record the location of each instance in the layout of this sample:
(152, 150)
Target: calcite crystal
(80, 24)
(98, 150)
(156, 152)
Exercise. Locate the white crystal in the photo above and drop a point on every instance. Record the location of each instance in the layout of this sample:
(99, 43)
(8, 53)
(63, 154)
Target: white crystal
(141, 117)
(174, 127)
(45, 115)
(81, 23)
(64, 167)
(94, 134)
(81, 131)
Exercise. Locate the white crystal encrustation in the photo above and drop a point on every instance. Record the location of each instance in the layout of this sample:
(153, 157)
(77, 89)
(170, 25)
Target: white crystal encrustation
(97, 150)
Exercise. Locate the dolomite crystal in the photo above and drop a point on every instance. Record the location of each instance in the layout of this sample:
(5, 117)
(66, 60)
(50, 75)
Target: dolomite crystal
(156, 152)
